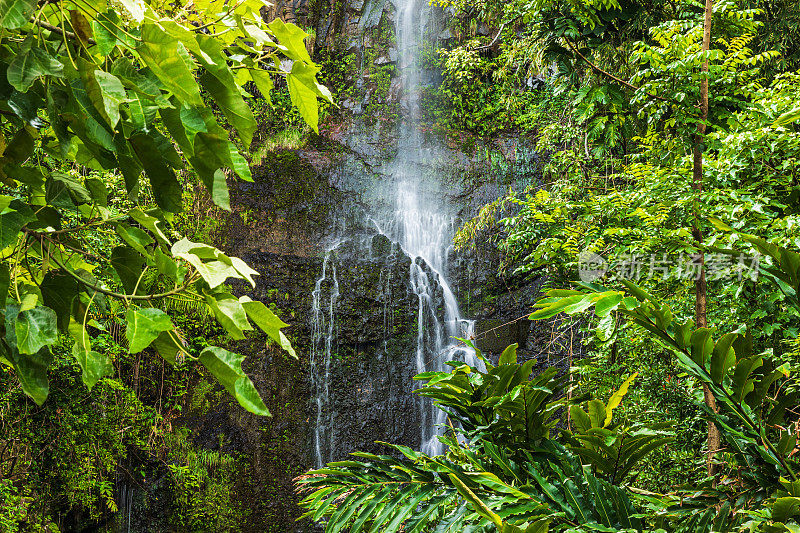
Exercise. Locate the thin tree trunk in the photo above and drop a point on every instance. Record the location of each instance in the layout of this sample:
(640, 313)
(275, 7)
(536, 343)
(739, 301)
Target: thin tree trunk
(714, 440)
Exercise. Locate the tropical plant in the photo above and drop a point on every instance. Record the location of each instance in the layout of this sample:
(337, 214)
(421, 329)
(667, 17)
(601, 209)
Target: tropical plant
(504, 470)
(106, 112)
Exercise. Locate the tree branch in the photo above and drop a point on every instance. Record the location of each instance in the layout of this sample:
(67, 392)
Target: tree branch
(615, 78)
(60, 31)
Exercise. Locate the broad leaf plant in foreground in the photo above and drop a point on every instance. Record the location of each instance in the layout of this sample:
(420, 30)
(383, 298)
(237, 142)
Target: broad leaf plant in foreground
(107, 111)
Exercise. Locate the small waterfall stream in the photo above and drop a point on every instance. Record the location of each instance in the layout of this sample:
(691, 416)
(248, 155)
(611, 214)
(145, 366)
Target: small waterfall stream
(323, 336)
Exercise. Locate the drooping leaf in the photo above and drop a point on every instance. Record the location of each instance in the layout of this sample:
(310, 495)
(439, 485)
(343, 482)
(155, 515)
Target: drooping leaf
(135, 238)
(230, 313)
(292, 38)
(166, 189)
(113, 93)
(30, 64)
(12, 220)
(509, 355)
(128, 264)
(169, 344)
(144, 326)
(161, 52)
(616, 398)
(263, 82)
(35, 328)
(94, 365)
(227, 368)
(303, 92)
(263, 317)
(59, 291)
(221, 84)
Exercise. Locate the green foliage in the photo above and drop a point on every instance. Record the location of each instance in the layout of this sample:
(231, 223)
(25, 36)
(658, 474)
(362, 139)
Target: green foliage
(509, 473)
(133, 96)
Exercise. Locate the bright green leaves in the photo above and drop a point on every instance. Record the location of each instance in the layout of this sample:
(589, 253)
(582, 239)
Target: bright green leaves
(220, 83)
(12, 219)
(35, 328)
(123, 95)
(94, 365)
(292, 39)
(304, 90)
(108, 32)
(227, 368)
(30, 64)
(572, 302)
(230, 101)
(170, 62)
(112, 95)
(263, 317)
(616, 398)
(230, 314)
(144, 326)
(213, 266)
(16, 13)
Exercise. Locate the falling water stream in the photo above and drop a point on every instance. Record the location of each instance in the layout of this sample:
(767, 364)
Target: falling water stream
(422, 222)
(326, 291)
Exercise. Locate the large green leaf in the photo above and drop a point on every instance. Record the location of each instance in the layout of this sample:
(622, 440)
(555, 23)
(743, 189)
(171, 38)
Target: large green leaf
(128, 264)
(233, 106)
(213, 271)
(169, 344)
(31, 369)
(785, 508)
(12, 219)
(108, 32)
(166, 189)
(263, 317)
(35, 328)
(227, 368)
(168, 60)
(94, 365)
(16, 13)
(113, 95)
(221, 84)
(292, 38)
(144, 326)
(230, 313)
(31, 63)
(263, 82)
(59, 291)
(303, 92)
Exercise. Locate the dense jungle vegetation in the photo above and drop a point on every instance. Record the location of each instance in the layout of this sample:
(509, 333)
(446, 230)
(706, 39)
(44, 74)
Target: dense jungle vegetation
(111, 118)
(667, 219)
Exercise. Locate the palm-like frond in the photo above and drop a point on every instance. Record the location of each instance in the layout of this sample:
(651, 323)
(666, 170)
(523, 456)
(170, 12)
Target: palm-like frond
(383, 493)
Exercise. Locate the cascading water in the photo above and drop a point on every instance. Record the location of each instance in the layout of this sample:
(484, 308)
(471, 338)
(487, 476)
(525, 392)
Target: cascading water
(411, 208)
(425, 229)
(427, 236)
(323, 333)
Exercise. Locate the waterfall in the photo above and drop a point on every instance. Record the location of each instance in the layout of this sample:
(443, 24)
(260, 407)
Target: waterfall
(425, 228)
(411, 208)
(427, 236)
(323, 333)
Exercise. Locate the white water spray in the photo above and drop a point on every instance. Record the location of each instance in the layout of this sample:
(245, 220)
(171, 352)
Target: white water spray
(425, 228)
